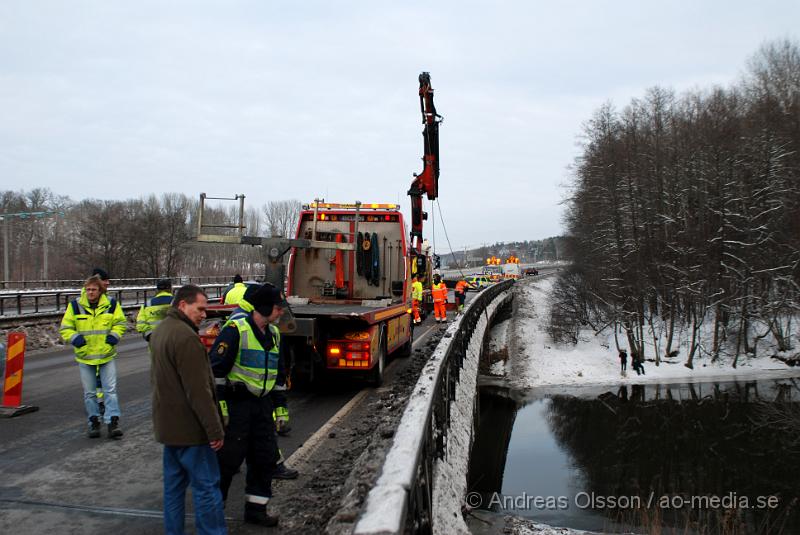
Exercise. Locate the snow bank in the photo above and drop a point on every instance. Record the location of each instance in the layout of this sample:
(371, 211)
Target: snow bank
(540, 362)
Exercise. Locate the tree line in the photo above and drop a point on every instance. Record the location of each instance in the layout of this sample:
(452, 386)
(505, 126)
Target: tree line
(684, 216)
(151, 236)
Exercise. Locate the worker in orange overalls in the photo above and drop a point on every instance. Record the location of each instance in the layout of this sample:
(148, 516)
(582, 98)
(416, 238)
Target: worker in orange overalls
(439, 294)
(416, 298)
(461, 294)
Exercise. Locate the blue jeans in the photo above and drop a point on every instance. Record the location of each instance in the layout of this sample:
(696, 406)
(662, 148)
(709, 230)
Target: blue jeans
(195, 465)
(108, 377)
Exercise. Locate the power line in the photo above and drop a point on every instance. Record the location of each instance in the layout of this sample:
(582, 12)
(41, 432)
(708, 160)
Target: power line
(441, 218)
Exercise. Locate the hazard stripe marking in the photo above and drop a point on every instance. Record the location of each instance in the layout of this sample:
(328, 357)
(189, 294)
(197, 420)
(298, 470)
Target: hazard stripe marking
(15, 350)
(13, 380)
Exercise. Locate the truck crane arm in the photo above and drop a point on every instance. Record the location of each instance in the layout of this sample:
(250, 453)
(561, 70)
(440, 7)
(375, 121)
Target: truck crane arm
(427, 182)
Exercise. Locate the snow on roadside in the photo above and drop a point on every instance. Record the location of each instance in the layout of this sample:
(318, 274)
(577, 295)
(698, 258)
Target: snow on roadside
(593, 360)
(498, 335)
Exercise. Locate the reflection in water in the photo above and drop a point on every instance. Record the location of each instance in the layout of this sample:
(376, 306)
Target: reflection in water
(733, 441)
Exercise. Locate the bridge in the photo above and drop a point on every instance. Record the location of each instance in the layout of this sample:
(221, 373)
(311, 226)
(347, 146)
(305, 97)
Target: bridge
(372, 460)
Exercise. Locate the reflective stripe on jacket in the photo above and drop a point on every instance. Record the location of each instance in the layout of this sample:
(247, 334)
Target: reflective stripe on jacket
(153, 311)
(416, 291)
(235, 294)
(439, 293)
(255, 367)
(94, 324)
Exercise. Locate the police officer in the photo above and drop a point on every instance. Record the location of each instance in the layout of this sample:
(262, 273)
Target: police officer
(155, 309)
(249, 371)
(282, 471)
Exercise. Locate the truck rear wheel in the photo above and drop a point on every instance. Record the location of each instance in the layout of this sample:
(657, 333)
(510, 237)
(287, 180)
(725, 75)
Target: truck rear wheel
(405, 349)
(376, 373)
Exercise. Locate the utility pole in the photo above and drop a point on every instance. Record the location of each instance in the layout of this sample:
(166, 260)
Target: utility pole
(5, 248)
(44, 251)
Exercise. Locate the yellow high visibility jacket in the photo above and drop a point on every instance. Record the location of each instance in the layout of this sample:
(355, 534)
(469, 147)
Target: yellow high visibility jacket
(255, 367)
(235, 294)
(153, 311)
(94, 324)
(416, 291)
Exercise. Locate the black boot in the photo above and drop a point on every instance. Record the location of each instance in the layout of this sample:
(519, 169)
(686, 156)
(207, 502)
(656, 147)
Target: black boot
(284, 472)
(257, 514)
(94, 427)
(113, 428)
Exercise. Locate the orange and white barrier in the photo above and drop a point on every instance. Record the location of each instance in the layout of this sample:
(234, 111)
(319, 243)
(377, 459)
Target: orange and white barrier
(12, 385)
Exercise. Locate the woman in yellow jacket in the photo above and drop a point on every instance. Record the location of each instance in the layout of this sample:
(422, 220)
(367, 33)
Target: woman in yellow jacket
(93, 325)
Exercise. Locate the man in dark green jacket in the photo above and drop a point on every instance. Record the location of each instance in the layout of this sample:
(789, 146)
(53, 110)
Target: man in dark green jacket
(186, 417)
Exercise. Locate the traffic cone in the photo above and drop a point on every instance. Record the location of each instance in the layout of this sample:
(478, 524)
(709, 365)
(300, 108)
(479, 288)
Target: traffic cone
(12, 386)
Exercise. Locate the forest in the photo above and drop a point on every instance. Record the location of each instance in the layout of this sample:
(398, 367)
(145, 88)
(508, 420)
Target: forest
(52, 237)
(683, 217)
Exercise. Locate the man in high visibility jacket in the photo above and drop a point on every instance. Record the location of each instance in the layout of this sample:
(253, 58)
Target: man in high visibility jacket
(93, 325)
(416, 298)
(461, 294)
(155, 309)
(439, 294)
(235, 294)
(244, 308)
(251, 380)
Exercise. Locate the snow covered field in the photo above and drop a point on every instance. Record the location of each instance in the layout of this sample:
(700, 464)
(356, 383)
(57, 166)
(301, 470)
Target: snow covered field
(535, 361)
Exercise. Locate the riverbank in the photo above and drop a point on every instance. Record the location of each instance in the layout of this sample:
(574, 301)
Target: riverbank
(536, 361)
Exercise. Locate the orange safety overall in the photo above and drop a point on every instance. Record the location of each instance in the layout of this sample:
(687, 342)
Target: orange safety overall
(461, 294)
(439, 294)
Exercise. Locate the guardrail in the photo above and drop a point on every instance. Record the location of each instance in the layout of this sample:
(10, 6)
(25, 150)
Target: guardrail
(67, 283)
(402, 499)
(24, 304)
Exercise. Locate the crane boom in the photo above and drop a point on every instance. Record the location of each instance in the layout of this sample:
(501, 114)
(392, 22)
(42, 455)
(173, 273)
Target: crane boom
(427, 182)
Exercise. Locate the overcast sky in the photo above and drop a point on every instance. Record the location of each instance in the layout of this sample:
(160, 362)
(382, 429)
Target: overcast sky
(304, 99)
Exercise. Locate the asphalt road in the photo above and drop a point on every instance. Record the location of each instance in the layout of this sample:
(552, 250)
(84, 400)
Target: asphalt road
(55, 480)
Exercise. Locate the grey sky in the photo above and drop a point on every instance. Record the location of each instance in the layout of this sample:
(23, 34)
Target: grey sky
(283, 100)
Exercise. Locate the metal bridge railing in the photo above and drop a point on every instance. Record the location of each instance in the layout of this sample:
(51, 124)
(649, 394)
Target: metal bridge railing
(402, 499)
(24, 304)
(140, 281)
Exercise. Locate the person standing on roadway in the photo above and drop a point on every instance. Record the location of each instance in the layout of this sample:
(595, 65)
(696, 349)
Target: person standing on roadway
(155, 309)
(282, 471)
(93, 324)
(461, 294)
(105, 280)
(235, 294)
(250, 376)
(439, 294)
(416, 298)
(186, 418)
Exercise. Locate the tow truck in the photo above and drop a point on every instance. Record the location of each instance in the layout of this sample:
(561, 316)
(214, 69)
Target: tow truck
(348, 281)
